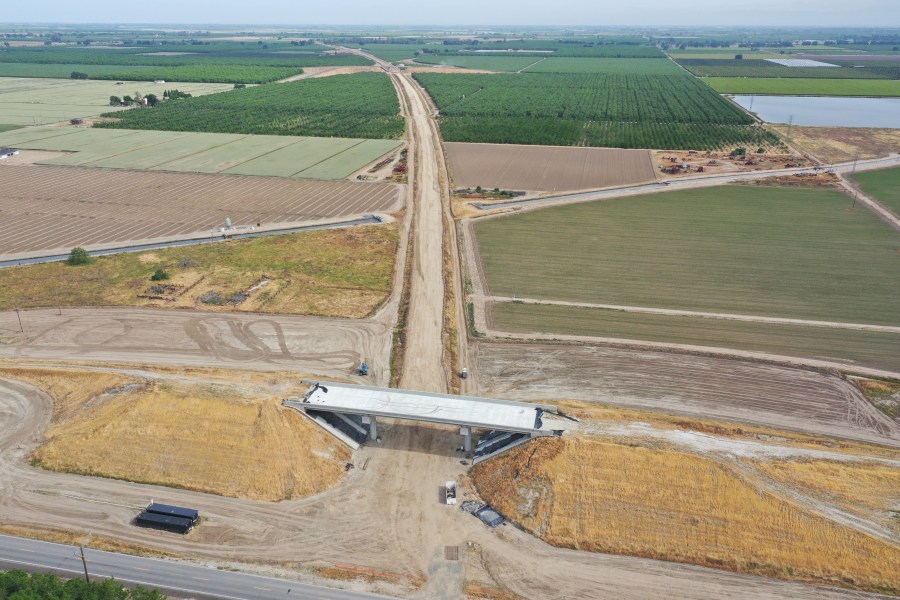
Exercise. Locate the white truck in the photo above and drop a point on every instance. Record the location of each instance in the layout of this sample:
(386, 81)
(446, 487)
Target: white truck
(450, 492)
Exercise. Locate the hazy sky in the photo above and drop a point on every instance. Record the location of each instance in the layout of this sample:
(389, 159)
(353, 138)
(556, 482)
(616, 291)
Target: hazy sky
(790, 13)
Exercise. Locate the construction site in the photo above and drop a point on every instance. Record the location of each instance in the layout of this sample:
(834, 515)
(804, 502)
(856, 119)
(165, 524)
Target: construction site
(381, 400)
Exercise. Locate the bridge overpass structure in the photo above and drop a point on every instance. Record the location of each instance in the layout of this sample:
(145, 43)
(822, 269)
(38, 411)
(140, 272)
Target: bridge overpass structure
(351, 413)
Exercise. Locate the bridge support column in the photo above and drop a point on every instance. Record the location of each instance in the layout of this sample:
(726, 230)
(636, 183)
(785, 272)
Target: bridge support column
(373, 427)
(466, 432)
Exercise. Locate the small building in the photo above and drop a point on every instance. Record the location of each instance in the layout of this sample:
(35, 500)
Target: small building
(7, 152)
(160, 81)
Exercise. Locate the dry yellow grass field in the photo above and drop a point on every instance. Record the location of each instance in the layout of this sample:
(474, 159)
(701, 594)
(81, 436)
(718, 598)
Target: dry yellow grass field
(842, 144)
(334, 273)
(216, 438)
(588, 494)
(871, 490)
(70, 390)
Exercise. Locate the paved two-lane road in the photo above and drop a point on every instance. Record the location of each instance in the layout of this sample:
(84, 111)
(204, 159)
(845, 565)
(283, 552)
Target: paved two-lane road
(176, 578)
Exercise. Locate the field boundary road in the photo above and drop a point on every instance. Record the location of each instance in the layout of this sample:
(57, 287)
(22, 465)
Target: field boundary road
(883, 212)
(707, 315)
(168, 576)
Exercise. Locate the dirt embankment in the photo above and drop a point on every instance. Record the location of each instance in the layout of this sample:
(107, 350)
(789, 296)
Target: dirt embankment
(590, 494)
(209, 437)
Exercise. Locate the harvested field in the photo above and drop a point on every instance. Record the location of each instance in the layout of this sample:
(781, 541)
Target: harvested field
(238, 154)
(216, 438)
(546, 168)
(842, 144)
(588, 494)
(335, 273)
(684, 384)
(26, 101)
(47, 209)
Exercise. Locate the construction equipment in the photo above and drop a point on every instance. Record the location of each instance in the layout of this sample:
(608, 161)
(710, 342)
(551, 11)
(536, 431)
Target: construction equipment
(363, 368)
(450, 492)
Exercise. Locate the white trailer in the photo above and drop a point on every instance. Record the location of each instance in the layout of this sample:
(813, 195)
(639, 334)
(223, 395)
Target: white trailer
(450, 492)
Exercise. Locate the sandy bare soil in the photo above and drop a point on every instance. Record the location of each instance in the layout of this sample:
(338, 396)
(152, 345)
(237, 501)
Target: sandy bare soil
(328, 347)
(31, 157)
(713, 163)
(546, 168)
(424, 361)
(313, 72)
(742, 391)
(842, 144)
(46, 208)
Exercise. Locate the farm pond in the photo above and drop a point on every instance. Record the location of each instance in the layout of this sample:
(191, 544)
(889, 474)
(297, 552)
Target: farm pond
(816, 111)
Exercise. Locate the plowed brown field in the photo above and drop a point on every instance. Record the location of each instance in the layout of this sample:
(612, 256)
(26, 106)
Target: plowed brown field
(546, 168)
(44, 208)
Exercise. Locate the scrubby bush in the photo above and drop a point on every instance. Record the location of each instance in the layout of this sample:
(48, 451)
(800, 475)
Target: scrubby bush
(79, 256)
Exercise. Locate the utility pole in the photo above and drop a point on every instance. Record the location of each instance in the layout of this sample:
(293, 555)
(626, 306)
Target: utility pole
(87, 577)
(18, 316)
(855, 160)
(790, 122)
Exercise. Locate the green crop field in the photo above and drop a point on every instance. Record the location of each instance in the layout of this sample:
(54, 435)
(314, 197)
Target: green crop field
(200, 73)
(792, 253)
(362, 105)
(221, 55)
(63, 71)
(219, 63)
(872, 349)
(508, 64)
(391, 52)
(882, 185)
(763, 68)
(40, 101)
(597, 49)
(805, 87)
(612, 66)
(728, 54)
(279, 156)
(628, 110)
